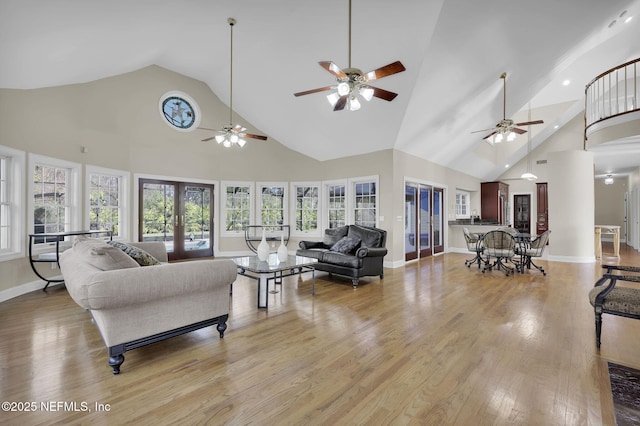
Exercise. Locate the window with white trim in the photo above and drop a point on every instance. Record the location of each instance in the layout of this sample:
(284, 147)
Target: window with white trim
(237, 207)
(336, 201)
(272, 202)
(106, 200)
(462, 204)
(365, 202)
(53, 196)
(306, 208)
(11, 195)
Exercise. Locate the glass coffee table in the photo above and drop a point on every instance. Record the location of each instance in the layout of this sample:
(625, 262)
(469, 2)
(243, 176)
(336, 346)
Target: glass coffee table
(273, 270)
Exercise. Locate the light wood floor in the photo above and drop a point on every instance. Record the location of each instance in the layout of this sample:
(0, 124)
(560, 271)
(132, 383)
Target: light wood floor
(434, 343)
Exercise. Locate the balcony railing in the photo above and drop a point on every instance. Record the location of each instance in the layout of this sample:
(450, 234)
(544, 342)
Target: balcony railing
(611, 94)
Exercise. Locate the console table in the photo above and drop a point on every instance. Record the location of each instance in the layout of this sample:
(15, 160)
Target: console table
(53, 239)
(607, 229)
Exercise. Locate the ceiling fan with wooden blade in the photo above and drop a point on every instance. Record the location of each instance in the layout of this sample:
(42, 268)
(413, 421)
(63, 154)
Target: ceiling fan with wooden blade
(228, 131)
(505, 128)
(352, 82)
(231, 135)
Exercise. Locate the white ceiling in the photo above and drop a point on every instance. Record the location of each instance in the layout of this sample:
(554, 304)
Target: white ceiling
(454, 52)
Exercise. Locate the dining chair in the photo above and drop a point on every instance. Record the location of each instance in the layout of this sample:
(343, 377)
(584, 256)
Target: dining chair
(474, 245)
(534, 249)
(498, 245)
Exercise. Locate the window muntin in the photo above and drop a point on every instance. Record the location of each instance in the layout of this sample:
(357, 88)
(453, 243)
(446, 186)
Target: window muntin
(106, 195)
(237, 207)
(273, 202)
(336, 205)
(365, 203)
(5, 204)
(11, 203)
(462, 204)
(51, 210)
(53, 196)
(306, 209)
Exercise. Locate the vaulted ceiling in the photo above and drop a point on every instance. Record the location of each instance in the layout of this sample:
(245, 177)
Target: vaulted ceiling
(454, 52)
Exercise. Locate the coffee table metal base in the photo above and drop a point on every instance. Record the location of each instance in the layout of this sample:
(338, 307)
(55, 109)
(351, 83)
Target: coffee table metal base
(272, 270)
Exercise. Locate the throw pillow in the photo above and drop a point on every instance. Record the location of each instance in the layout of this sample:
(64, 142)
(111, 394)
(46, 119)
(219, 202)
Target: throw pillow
(142, 257)
(100, 255)
(346, 245)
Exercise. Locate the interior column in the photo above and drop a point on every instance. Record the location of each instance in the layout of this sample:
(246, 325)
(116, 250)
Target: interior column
(571, 206)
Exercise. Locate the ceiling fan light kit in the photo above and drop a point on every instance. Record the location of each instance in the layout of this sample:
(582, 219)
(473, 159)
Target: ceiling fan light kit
(353, 83)
(231, 135)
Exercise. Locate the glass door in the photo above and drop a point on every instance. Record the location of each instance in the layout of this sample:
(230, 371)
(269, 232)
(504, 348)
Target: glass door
(196, 220)
(438, 220)
(179, 214)
(425, 221)
(410, 222)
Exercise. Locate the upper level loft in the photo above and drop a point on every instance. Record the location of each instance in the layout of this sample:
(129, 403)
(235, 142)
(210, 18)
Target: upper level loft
(612, 110)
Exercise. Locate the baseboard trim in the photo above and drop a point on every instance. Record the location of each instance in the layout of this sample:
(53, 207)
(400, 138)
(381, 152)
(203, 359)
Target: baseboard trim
(25, 288)
(571, 259)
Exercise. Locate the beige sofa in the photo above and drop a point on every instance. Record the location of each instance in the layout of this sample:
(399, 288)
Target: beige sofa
(134, 305)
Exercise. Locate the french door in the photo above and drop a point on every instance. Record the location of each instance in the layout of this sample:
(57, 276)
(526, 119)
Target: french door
(424, 222)
(180, 214)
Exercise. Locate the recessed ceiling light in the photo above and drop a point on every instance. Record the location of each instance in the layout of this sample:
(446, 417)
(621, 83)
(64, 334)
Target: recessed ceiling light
(506, 166)
(628, 19)
(556, 126)
(566, 82)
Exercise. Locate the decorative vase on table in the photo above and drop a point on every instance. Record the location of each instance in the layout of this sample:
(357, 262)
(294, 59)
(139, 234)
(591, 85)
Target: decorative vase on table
(282, 250)
(263, 248)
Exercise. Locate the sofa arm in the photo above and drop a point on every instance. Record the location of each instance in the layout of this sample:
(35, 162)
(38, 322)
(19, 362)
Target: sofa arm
(371, 252)
(126, 287)
(305, 245)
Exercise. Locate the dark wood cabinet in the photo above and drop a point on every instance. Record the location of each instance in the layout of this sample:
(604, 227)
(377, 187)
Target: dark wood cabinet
(494, 202)
(542, 212)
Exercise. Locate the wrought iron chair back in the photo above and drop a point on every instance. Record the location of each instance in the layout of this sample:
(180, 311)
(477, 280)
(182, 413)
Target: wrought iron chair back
(534, 249)
(500, 246)
(474, 245)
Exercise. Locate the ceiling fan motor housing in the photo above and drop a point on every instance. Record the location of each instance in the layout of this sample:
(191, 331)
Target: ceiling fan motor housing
(505, 124)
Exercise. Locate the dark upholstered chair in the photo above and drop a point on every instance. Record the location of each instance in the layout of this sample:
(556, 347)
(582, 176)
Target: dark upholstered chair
(499, 247)
(609, 297)
(474, 245)
(527, 251)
